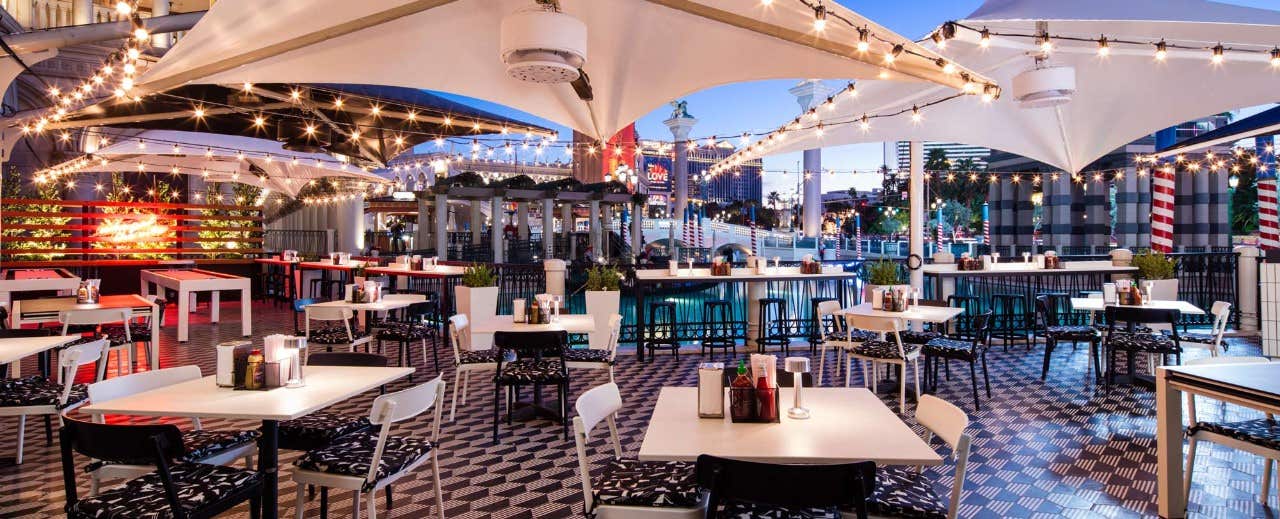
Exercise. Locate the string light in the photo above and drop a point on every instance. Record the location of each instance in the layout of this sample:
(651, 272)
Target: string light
(1104, 49)
(820, 17)
(863, 44)
(1219, 54)
(1162, 50)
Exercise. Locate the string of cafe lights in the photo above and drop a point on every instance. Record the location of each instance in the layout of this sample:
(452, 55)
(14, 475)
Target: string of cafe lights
(1160, 48)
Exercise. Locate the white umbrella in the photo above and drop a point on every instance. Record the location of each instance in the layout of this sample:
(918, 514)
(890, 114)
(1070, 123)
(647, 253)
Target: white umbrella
(639, 54)
(221, 158)
(1118, 98)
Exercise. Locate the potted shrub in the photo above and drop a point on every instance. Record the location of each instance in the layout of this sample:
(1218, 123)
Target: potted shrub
(1158, 269)
(477, 297)
(880, 274)
(603, 289)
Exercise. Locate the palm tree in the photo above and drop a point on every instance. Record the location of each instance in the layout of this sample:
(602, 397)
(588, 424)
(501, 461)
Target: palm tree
(774, 199)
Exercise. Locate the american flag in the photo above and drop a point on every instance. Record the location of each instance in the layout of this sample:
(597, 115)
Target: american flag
(1162, 209)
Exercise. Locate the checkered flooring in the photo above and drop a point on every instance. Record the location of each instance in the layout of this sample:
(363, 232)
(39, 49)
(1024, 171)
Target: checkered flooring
(1055, 449)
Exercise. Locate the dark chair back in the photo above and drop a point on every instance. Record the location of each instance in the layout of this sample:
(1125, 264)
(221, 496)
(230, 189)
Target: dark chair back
(531, 346)
(1047, 311)
(843, 485)
(347, 358)
(119, 443)
(1136, 315)
(980, 328)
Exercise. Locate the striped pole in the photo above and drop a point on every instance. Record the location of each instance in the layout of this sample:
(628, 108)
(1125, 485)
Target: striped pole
(986, 224)
(857, 234)
(839, 238)
(702, 211)
(1162, 206)
(1268, 219)
(754, 249)
(939, 228)
(688, 228)
(623, 227)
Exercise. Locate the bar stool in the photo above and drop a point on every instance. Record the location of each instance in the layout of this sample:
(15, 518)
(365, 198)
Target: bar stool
(773, 314)
(662, 328)
(1009, 310)
(717, 326)
(817, 328)
(972, 306)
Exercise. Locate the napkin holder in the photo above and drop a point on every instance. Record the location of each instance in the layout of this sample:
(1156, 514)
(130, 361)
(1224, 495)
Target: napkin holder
(227, 353)
(711, 390)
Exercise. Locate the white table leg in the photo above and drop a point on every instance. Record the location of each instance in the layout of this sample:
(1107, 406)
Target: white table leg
(1169, 458)
(191, 306)
(184, 309)
(215, 298)
(246, 313)
(145, 288)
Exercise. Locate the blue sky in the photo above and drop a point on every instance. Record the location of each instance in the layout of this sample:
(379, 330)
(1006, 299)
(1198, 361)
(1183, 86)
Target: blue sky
(719, 110)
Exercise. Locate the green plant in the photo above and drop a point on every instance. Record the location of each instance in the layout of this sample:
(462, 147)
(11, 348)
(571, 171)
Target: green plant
(603, 278)
(883, 272)
(479, 276)
(1154, 265)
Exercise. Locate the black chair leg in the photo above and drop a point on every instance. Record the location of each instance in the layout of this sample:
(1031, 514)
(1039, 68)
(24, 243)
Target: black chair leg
(389, 507)
(255, 507)
(1049, 345)
(497, 397)
(324, 502)
(973, 378)
(1097, 359)
(986, 379)
(48, 430)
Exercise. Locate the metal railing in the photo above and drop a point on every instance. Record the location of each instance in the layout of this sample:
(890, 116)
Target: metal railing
(307, 243)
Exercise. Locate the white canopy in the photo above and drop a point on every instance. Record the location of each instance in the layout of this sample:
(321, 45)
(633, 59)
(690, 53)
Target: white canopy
(220, 157)
(640, 54)
(1119, 98)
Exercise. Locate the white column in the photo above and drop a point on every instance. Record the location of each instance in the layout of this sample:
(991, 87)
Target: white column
(548, 228)
(606, 223)
(442, 226)
(593, 222)
(680, 127)
(477, 221)
(82, 11)
(495, 230)
(637, 228)
(566, 227)
(522, 220)
(809, 94)
(422, 235)
(161, 8)
(348, 217)
(916, 232)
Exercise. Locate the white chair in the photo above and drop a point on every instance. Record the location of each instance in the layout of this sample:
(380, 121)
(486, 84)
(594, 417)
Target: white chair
(37, 395)
(370, 461)
(902, 492)
(841, 338)
(1258, 437)
(100, 316)
(629, 489)
(333, 335)
(1221, 312)
(889, 350)
(208, 447)
(602, 358)
(466, 361)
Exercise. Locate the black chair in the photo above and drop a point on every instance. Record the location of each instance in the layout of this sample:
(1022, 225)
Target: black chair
(972, 306)
(662, 329)
(538, 361)
(972, 350)
(935, 331)
(411, 326)
(775, 326)
(717, 327)
(1133, 340)
(322, 428)
(751, 489)
(1053, 331)
(179, 490)
(1010, 311)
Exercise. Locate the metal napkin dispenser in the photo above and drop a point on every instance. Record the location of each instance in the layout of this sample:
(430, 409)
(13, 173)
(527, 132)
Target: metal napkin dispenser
(711, 390)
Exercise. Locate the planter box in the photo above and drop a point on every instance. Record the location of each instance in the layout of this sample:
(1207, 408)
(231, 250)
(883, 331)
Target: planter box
(602, 305)
(869, 293)
(479, 305)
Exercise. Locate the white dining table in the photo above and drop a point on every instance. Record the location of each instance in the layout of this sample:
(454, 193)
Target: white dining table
(922, 313)
(572, 323)
(202, 398)
(14, 349)
(1096, 304)
(387, 303)
(188, 282)
(846, 425)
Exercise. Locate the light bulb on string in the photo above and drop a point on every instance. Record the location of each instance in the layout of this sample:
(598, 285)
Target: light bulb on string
(1275, 57)
(820, 18)
(863, 44)
(1104, 48)
(892, 55)
(1219, 55)
(1162, 51)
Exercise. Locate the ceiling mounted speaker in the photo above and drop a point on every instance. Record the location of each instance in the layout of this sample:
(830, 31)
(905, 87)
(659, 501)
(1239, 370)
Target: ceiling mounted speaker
(543, 46)
(1044, 87)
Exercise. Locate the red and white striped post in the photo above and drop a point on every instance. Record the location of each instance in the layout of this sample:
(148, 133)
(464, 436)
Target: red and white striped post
(1162, 203)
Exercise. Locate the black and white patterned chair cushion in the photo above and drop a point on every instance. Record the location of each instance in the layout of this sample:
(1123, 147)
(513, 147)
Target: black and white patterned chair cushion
(478, 356)
(1071, 333)
(1199, 338)
(914, 337)
(528, 371)
(318, 430)
(1144, 342)
(1261, 432)
(403, 332)
(198, 445)
(883, 349)
(197, 486)
(37, 390)
(586, 355)
(335, 335)
(855, 336)
(740, 510)
(351, 455)
(903, 493)
(652, 483)
(138, 332)
(949, 348)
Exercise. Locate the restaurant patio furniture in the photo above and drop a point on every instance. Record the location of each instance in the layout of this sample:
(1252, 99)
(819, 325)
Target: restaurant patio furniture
(334, 334)
(1011, 319)
(196, 489)
(738, 488)
(817, 327)
(660, 334)
(1131, 341)
(321, 428)
(411, 327)
(1258, 436)
(889, 349)
(187, 283)
(1212, 341)
(37, 395)
(466, 360)
(972, 350)
(139, 328)
(535, 359)
(1047, 312)
(775, 325)
(217, 447)
(909, 493)
(94, 318)
(366, 462)
(597, 359)
(16, 345)
(718, 331)
(38, 311)
(35, 280)
(629, 488)
(326, 386)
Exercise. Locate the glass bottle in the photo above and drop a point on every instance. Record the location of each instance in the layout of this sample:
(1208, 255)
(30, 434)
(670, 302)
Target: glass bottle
(253, 372)
(766, 403)
(742, 400)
